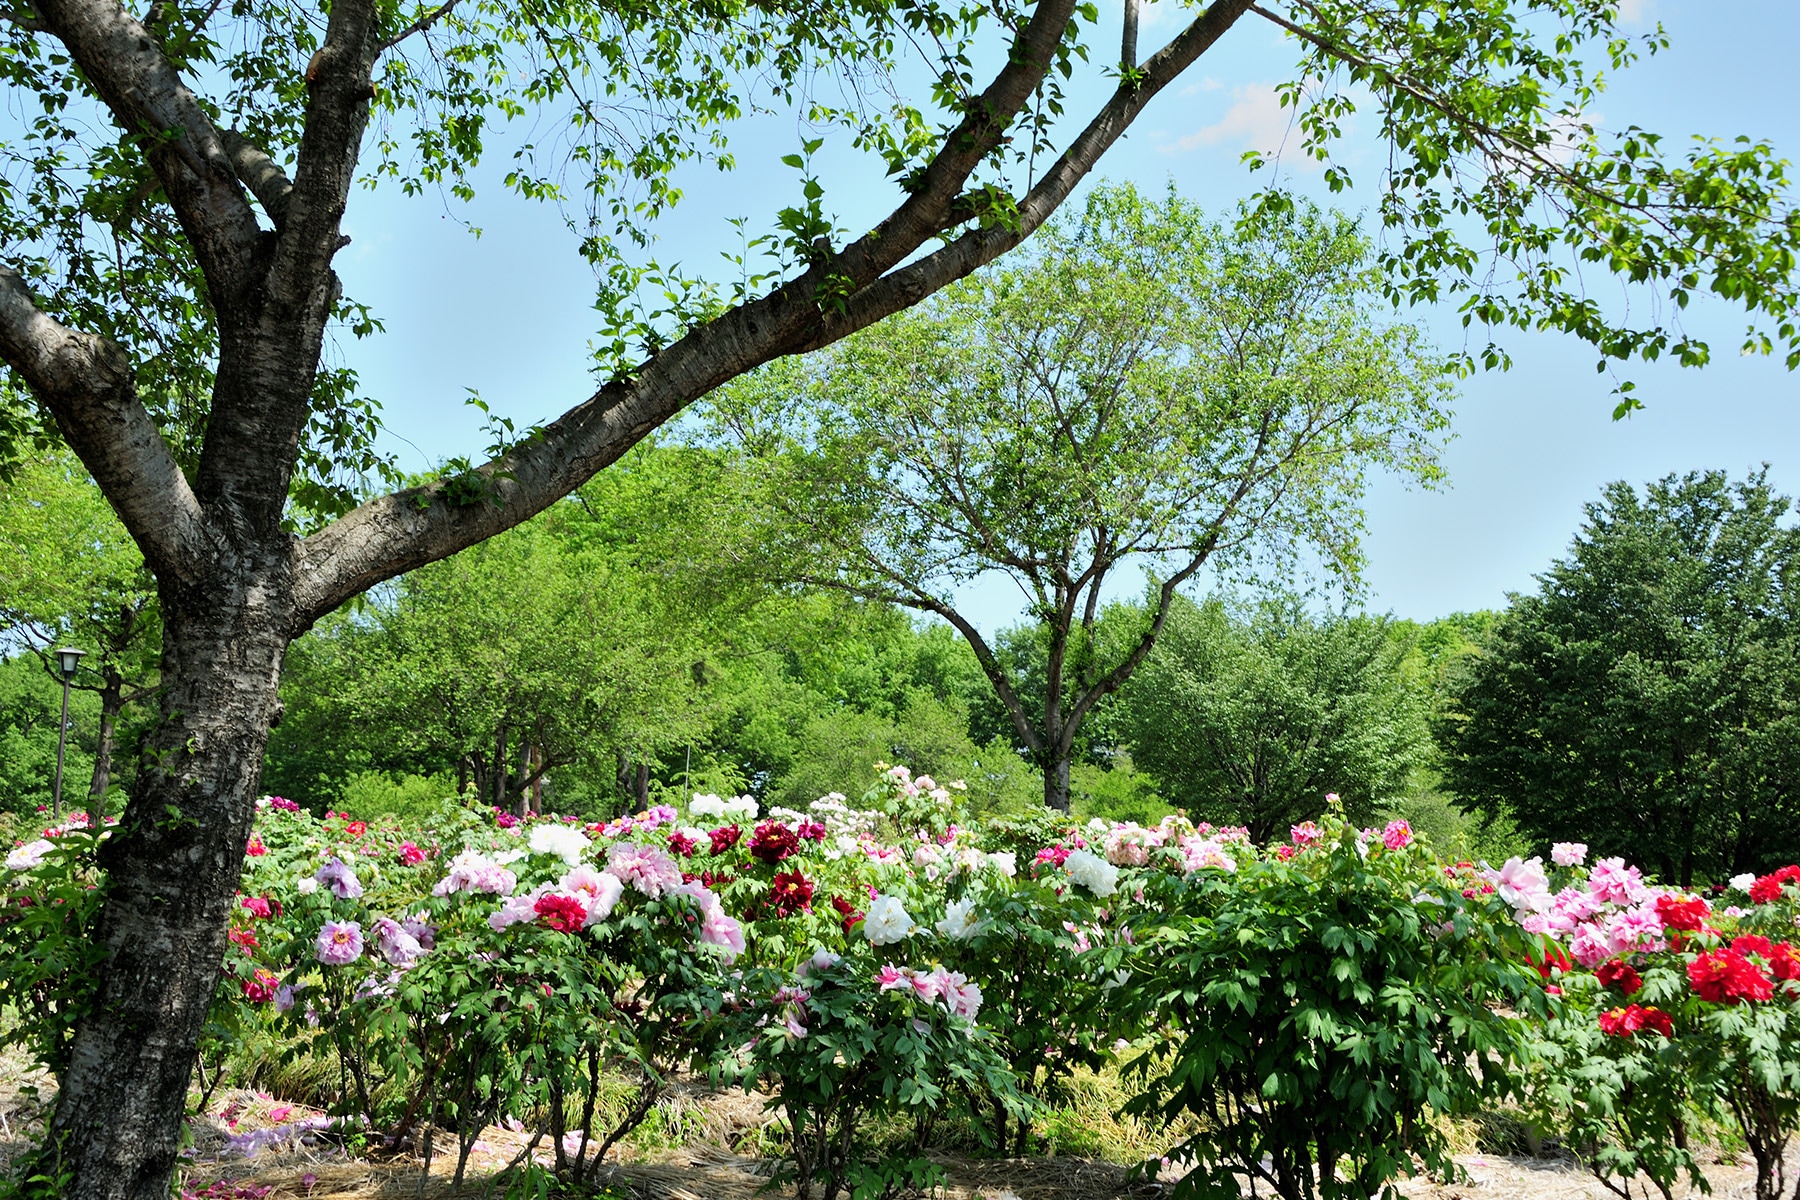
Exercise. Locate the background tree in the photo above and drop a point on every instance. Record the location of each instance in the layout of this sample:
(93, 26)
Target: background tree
(1251, 720)
(173, 206)
(1645, 700)
(70, 574)
(1142, 385)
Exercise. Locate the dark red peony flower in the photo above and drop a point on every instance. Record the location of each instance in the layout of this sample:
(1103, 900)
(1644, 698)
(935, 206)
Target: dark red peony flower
(1616, 972)
(1686, 915)
(682, 844)
(773, 842)
(561, 913)
(1726, 976)
(724, 838)
(791, 892)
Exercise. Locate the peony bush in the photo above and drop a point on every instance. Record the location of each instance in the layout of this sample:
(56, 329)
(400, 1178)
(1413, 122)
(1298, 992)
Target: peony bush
(884, 966)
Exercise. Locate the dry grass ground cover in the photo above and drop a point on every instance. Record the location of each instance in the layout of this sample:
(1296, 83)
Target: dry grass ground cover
(705, 1145)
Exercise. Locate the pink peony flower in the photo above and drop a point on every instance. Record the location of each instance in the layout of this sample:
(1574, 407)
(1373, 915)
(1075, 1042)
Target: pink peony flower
(597, 891)
(1306, 833)
(411, 855)
(398, 946)
(647, 868)
(1612, 882)
(339, 943)
(340, 879)
(1397, 836)
(1568, 854)
(890, 977)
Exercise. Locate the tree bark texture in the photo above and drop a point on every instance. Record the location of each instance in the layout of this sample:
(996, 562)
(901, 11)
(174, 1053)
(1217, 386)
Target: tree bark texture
(172, 869)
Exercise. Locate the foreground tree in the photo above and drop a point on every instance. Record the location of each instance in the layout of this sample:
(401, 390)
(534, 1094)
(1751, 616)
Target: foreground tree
(175, 199)
(1251, 720)
(1144, 386)
(1647, 700)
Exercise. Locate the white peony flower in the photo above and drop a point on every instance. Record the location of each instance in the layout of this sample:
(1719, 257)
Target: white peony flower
(742, 807)
(28, 856)
(886, 921)
(1005, 862)
(959, 922)
(705, 804)
(1092, 872)
(307, 885)
(560, 840)
(1739, 883)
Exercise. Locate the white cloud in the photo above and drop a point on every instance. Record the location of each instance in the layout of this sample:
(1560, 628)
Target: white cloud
(1255, 121)
(1636, 12)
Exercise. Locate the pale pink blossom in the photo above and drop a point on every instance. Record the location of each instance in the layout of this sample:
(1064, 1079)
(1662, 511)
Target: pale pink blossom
(646, 868)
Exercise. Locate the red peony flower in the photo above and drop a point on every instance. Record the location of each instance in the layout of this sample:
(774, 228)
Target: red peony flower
(791, 892)
(682, 844)
(356, 829)
(1623, 1022)
(258, 907)
(1555, 959)
(260, 987)
(1768, 889)
(245, 939)
(561, 913)
(1726, 976)
(1616, 972)
(255, 848)
(773, 842)
(724, 838)
(1686, 915)
(411, 855)
(847, 911)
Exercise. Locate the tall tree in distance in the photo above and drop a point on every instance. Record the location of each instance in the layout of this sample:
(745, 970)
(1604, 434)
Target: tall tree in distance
(1647, 699)
(1143, 385)
(1251, 719)
(69, 573)
(173, 206)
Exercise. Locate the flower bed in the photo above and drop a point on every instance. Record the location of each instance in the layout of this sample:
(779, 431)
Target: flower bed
(1312, 1008)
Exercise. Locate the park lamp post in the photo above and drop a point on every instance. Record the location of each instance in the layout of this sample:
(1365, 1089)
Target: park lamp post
(68, 659)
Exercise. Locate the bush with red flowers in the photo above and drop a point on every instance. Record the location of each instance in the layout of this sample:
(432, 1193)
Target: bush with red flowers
(1721, 990)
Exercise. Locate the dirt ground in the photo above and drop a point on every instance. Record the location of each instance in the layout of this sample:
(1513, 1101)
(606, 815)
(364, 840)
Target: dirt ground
(305, 1165)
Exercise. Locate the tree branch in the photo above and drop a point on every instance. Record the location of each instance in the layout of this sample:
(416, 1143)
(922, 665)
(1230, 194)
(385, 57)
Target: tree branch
(148, 99)
(419, 26)
(87, 384)
(907, 286)
(258, 171)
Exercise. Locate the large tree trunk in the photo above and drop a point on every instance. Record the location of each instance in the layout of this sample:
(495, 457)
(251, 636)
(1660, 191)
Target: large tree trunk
(172, 869)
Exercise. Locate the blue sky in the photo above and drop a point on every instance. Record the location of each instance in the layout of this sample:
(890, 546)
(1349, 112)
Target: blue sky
(509, 314)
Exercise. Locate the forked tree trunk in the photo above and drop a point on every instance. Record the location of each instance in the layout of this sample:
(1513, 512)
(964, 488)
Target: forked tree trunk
(172, 868)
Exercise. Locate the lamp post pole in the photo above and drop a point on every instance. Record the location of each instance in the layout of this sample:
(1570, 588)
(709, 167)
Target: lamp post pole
(68, 659)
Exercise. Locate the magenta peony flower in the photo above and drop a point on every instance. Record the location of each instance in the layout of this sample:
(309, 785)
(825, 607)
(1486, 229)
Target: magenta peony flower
(340, 942)
(1397, 836)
